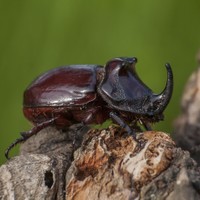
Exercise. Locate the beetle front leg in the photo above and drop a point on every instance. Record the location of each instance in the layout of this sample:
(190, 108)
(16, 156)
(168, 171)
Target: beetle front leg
(146, 125)
(117, 119)
(28, 134)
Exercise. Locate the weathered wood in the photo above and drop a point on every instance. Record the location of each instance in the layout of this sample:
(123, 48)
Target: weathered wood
(29, 177)
(108, 164)
(39, 172)
(180, 181)
(187, 125)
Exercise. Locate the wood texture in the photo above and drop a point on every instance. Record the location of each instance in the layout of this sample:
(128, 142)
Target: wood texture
(39, 171)
(110, 164)
(107, 164)
(187, 125)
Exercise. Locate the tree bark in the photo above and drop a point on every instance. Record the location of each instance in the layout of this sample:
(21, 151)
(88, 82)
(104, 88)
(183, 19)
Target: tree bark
(187, 125)
(39, 171)
(107, 164)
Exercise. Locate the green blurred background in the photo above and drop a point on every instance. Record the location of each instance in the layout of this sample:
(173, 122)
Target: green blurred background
(39, 35)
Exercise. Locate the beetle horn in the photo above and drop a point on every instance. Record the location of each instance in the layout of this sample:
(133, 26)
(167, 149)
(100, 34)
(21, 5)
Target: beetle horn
(161, 100)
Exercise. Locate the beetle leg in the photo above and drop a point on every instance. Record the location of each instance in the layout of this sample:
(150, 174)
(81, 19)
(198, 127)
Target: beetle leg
(36, 129)
(17, 141)
(147, 126)
(77, 129)
(28, 134)
(117, 119)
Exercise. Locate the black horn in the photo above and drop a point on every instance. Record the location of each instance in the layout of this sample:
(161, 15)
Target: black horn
(164, 97)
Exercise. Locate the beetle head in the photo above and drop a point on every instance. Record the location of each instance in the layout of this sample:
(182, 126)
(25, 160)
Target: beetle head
(123, 90)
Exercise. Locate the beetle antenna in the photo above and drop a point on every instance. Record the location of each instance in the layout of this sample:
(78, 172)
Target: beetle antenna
(17, 141)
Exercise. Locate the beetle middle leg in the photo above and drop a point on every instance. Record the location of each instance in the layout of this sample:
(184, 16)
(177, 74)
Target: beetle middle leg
(28, 134)
(117, 119)
(78, 133)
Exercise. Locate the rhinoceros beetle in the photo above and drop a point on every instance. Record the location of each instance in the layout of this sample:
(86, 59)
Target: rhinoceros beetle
(92, 94)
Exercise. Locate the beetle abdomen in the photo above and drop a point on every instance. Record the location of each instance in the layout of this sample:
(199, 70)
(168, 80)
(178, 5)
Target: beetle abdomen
(63, 86)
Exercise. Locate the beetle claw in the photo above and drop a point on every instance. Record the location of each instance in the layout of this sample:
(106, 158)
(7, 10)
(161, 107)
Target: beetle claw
(24, 134)
(17, 141)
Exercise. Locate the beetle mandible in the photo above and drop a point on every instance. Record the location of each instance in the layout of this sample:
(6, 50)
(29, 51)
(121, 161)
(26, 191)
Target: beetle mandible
(91, 94)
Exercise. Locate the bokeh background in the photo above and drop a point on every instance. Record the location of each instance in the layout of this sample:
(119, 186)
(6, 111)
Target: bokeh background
(38, 35)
